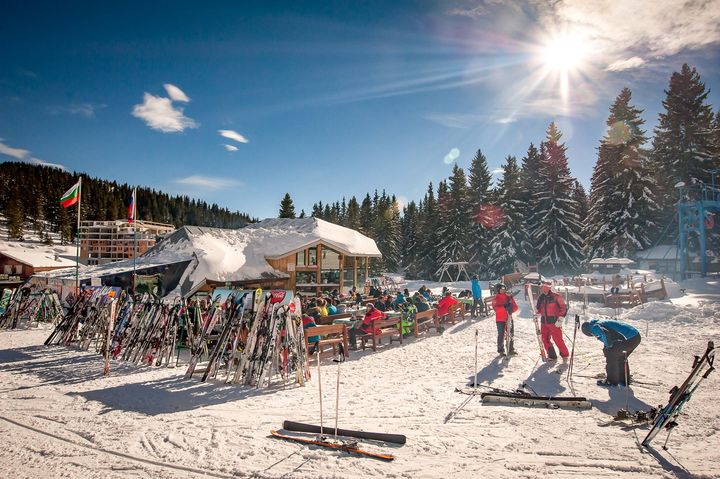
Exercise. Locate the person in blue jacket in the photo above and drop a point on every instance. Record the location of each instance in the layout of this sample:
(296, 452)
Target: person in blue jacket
(619, 340)
(478, 304)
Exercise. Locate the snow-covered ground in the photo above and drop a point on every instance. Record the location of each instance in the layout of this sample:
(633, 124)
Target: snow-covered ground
(59, 417)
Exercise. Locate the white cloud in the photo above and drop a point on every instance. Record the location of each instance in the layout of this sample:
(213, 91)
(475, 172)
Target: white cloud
(208, 182)
(455, 120)
(24, 155)
(506, 120)
(175, 93)
(160, 114)
(18, 153)
(626, 64)
(646, 28)
(38, 161)
(233, 135)
(230, 147)
(497, 171)
(452, 155)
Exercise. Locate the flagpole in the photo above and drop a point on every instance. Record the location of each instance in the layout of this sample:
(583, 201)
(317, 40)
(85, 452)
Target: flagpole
(134, 215)
(77, 242)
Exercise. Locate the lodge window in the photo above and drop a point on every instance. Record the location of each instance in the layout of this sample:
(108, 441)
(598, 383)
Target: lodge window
(7, 269)
(18, 269)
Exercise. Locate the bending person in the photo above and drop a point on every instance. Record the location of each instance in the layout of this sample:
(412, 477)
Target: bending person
(619, 340)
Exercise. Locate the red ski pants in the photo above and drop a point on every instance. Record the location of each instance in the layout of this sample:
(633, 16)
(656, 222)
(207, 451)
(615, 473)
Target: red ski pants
(551, 332)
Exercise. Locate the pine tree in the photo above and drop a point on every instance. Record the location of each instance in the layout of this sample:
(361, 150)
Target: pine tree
(479, 179)
(39, 218)
(366, 215)
(454, 220)
(352, 219)
(15, 219)
(302, 214)
(509, 233)
(622, 210)
(530, 210)
(287, 209)
(410, 233)
(427, 253)
(557, 234)
(681, 150)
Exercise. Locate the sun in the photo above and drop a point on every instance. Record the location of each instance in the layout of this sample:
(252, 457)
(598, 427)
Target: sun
(564, 53)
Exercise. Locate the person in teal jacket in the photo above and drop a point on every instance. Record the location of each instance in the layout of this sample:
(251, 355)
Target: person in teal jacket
(478, 305)
(619, 340)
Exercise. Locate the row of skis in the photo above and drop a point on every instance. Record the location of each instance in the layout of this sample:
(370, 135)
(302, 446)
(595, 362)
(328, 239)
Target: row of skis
(20, 308)
(250, 337)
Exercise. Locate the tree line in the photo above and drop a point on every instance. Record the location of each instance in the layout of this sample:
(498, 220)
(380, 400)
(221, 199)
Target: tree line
(31, 193)
(538, 213)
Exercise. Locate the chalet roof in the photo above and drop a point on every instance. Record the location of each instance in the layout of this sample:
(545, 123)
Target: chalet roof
(663, 251)
(36, 257)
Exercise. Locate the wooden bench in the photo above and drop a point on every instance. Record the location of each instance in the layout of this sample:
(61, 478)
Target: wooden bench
(331, 335)
(488, 305)
(456, 311)
(325, 320)
(424, 321)
(383, 328)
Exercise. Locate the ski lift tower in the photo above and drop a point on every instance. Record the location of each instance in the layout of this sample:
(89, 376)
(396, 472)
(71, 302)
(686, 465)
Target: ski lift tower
(697, 209)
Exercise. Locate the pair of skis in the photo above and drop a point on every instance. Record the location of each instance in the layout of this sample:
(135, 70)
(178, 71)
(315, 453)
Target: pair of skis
(536, 321)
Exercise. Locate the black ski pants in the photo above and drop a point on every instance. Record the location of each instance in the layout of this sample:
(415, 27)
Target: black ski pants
(501, 336)
(615, 359)
(478, 307)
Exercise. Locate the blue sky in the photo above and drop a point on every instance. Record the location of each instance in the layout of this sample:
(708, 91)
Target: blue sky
(239, 102)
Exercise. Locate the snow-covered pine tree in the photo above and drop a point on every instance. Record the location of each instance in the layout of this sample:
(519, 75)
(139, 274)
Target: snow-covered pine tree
(509, 234)
(427, 252)
(386, 231)
(557, 234)
(623, 209)
(287, 209)
(410, 230)
(681, 149)
(479, 179)
(454, 220)
(530, 210)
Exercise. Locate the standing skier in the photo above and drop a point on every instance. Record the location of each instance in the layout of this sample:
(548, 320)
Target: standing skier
(619, 340)
(478, 305)
(504, 305)
(551, 307)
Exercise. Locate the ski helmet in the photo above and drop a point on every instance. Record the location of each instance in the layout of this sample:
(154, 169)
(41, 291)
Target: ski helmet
(499, 286)
(586, 328)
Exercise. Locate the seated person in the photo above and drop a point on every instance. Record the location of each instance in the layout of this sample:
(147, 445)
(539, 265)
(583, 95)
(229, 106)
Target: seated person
(322, 304)
(308, 322)
(331, 308)
(443, 306)
(358, 299)
(399, 300)
(389, 303)
(380, 303)
(341, 308)
(421, 303)
(426, 293)
(375, 292)
(372, 314)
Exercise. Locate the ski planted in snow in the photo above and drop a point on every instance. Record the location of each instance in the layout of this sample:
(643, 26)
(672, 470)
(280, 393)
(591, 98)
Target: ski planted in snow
(374, 436)
(702, 367)
(524, 399)
(351, 448)
(536, 321)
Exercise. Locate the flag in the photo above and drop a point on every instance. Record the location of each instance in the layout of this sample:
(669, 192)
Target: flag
(131, 208)
(71, 196)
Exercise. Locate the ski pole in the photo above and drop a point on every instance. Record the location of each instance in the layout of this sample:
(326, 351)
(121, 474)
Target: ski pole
(476, 369)
(572, 353)
(627, 384)
(340, 359)
(320, 389)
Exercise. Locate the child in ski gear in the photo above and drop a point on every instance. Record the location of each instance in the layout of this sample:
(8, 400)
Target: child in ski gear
(616, 281)
(420, 302)
(372, 314)
(619, 340)
(399, 300)
(478, 303)
(444, 305)
(551, 307)
(504, 305)
(309, 322)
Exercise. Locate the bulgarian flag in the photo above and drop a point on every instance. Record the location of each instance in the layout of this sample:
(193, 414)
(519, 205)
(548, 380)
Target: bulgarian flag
(71, 196)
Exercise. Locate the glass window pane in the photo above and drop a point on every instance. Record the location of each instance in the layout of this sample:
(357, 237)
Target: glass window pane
(300, 258)
(312, 256)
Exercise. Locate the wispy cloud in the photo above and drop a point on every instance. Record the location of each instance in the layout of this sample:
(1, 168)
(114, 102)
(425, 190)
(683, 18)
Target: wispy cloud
(627, 64)
(24, 155)
(18, 153)
(82, 109)
(230, 147)
(175, 93)
(452, 155)
(497, 171)
(455, 120)
(208, 182)
(160, 114)
(233, 135)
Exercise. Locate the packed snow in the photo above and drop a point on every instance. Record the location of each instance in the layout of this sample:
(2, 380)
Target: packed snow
(59, 417)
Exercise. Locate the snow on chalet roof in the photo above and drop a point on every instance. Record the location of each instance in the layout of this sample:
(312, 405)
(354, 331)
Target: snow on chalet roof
(37, 257)
(226, 255)
(611, 260)
(663, 251)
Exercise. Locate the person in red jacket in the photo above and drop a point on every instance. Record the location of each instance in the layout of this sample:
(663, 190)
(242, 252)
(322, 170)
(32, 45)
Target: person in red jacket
(504, 305)
(443, 306)
(551, 307)
(371, 314)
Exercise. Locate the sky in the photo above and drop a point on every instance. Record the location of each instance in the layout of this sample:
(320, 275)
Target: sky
(237, 103)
